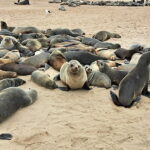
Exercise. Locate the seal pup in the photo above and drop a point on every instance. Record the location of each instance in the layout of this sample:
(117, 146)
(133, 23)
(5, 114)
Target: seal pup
(13, 98)
(96, 78)
(105, 35)
(73, 75)
(124, 53)
(115, 75)
(20, 69)
(11, 82)
(7, 74)
(134, 84)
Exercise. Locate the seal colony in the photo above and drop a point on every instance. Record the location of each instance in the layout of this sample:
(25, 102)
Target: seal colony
(81, 61)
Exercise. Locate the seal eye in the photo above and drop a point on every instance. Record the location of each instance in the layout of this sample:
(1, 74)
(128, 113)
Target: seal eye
(71, 65)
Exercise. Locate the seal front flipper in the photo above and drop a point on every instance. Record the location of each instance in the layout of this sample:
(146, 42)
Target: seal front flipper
(86, 86)
(145, 91)
(5, 136)
(115, 98)
(57, 78)
(64, 88)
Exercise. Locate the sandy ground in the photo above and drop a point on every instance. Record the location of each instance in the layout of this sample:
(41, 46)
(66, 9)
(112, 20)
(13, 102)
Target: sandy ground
(79, 120)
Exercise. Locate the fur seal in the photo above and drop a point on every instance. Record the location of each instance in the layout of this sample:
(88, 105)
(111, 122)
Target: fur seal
(13, 98)
(84, 57)
(106, 53)
(73, 75)
(57, 59)
(43, 79)
(115, 75)
(7, 74)
(11, 82)
(105, 35)
(24, 2)
(11, 43)
(20, 69)
(32, 44)
(134, 84)
(96, 78)
(124, 53)
(60, 31)
(38, 60)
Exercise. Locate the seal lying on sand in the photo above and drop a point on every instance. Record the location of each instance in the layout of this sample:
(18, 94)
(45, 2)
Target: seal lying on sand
(20, 69)
(124, 53)
(115, 75)
(85, 58)
(43, 79)
(73, 75)
(134, 84)
(11, 43)
(96, 78)
(105, 35)
(13, 98)
(57, 31)
(11, 82)
(38, 60)
(7, 74)
(24, 2)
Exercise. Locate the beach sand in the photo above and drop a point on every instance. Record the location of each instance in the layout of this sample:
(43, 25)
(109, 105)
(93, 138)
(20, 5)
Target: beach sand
(79, 120)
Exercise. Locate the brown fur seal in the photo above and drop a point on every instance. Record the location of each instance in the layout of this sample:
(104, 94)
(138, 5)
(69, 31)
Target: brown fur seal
(96, 78)
(32, 44)
(20, 69)
(104, 35)
(124, 53)
(38, 60)
(115, 75)
(134, 84)
(7, 74)
(73, 75)
(13, 98)
(11, 82)
(57, 59)
(106, 53)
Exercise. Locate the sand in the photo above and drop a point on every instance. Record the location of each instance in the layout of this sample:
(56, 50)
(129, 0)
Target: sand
(79, 120)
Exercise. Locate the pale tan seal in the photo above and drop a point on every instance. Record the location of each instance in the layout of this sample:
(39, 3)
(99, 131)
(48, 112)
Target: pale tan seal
(7, 74)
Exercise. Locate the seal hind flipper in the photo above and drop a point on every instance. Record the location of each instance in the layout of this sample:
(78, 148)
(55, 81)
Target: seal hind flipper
(145, 91)
(115, 98)
(64, 88)
(5, 136)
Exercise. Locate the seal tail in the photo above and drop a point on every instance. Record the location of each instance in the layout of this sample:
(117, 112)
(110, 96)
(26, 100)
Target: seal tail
(115, 99)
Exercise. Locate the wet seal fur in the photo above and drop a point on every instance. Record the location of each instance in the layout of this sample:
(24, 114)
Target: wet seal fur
(13, 98)
(134, 84)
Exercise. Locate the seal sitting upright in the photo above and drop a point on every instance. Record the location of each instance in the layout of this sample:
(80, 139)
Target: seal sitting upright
(134, 84)
(73, 74)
